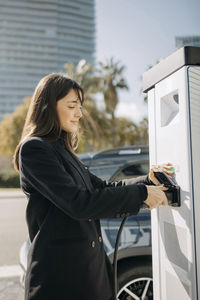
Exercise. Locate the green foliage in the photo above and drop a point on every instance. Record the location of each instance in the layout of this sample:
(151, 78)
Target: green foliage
(9, 178)
(85, 74)
(11, 129)
(112, 75)
(144, 134)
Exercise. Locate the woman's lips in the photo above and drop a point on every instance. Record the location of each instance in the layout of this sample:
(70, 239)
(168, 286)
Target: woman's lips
(75, 122)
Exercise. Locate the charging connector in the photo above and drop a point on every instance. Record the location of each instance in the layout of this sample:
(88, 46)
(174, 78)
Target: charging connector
(173, 192)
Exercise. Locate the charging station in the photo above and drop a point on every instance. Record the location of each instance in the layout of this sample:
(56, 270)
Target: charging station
(173, 88)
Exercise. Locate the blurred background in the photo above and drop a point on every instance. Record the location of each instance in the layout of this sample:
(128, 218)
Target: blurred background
(105, 45)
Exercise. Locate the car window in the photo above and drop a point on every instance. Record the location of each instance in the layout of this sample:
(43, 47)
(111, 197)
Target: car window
(104, 172)
(133, 170)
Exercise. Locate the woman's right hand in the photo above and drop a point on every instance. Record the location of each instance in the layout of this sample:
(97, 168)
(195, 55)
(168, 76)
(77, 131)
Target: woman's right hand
(156, 196)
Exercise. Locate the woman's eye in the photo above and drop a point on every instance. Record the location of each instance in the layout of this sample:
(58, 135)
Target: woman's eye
(71, 107)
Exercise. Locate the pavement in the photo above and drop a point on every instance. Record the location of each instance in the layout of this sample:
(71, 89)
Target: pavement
(13, 232)
(11, 193)
(10, 289)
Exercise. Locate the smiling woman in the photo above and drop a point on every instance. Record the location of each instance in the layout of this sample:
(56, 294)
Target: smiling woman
(66, 259)
(54, 112)
(69, 111)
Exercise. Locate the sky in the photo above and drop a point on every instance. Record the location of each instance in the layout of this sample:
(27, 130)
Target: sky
(138, 33)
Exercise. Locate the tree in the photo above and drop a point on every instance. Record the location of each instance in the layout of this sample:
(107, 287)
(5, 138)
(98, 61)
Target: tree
(101, 128)
(11, 128)
(143, 128)
(85, 74)
(112, 74)
(128, 132)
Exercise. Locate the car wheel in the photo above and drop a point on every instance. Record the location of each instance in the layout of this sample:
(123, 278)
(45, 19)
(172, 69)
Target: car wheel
(135, 282)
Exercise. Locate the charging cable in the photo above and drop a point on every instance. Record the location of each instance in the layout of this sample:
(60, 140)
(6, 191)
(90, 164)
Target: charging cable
(115, 286)
(115, 257)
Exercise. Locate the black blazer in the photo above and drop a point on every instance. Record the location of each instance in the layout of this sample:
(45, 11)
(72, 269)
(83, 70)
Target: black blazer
(66, 259)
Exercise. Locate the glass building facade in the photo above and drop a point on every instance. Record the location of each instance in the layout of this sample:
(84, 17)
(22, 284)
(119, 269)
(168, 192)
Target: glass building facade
(38, 37)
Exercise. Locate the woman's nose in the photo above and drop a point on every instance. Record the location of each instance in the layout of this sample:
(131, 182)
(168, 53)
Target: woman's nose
(79, 112)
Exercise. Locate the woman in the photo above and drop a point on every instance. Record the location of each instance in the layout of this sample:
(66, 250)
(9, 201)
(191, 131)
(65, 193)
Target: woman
(66, 259)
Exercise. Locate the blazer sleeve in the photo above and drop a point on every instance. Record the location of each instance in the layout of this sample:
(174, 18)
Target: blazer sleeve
(97, 182)
(43, 171)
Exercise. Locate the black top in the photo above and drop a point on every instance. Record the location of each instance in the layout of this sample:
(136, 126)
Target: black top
(182, 57)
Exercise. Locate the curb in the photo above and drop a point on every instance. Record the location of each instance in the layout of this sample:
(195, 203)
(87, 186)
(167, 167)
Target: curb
(10, 271)
(4, 194)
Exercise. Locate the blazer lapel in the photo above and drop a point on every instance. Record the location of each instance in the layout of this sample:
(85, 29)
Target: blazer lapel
(81, 170)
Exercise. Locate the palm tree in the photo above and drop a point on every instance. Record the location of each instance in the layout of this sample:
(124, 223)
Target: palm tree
(85, 75)
(91, 83)
(143, 128)
(128, 132)
(112, 75)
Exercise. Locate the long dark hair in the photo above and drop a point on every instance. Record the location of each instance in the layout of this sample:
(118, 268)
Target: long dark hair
(42, 119)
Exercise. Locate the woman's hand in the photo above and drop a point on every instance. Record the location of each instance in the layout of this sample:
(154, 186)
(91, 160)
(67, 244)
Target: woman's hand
(163, 168)
(156, 196)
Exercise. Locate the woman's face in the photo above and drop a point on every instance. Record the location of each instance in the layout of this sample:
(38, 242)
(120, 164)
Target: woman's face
(69, 112)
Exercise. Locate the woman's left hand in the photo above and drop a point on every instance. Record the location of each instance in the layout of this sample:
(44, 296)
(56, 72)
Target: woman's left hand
(163, 168)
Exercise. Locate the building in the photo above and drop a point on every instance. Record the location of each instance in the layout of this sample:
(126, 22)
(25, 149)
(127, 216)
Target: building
(189, 40)
(38, 38)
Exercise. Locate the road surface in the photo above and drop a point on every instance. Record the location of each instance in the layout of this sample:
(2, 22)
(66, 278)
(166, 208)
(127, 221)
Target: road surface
(13, 232)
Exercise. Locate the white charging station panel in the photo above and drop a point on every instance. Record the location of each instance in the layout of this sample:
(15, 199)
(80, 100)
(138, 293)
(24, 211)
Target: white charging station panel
(174, 136)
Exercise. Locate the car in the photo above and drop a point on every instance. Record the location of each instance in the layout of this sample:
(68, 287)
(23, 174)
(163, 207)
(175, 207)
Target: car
(134, 253)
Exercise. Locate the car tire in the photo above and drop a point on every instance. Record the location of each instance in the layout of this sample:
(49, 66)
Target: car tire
(135, 280)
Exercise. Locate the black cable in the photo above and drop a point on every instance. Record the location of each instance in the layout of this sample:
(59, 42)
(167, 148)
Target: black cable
(115, 257)
(143, 206)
